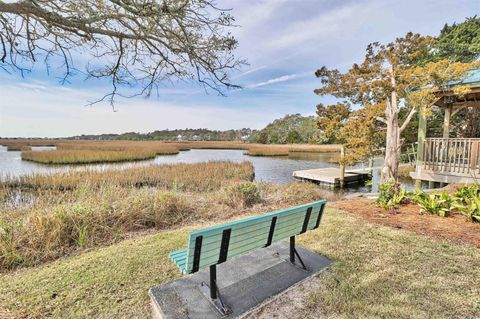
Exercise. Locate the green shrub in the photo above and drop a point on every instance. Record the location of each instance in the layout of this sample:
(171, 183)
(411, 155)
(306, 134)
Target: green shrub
(417, 196)
(465, 192)
(390, 196)
(436, 204)
(470, 208)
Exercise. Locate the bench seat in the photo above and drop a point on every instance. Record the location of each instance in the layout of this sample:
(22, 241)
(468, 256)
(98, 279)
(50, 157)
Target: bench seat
(179, 258)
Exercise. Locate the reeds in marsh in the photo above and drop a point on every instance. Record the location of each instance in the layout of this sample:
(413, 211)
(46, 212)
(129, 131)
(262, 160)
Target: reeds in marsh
(85, 218)
(85, 156)
(61, 222)
(267, 151)
(285, 150)
(98, 154)
(186, 177)
(324, 148)
(82, 151)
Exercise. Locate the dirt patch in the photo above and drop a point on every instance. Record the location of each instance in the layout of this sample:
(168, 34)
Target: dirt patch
(454, 228)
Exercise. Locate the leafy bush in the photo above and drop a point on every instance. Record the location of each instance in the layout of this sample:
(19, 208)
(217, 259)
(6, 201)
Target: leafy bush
(465, 192)
(467, 201)
(385, 193)
(436, 204)
(390, 195)
(417, 196)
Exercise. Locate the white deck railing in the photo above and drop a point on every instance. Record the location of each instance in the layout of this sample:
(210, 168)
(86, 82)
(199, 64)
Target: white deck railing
(458, 156)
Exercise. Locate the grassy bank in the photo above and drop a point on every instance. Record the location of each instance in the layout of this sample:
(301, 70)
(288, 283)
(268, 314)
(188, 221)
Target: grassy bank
(87, 152)
(379, 272)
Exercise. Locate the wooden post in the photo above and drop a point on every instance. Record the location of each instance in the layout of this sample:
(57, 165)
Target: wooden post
(342, 167)
(370, 167)
(446, 122)
(422, 133)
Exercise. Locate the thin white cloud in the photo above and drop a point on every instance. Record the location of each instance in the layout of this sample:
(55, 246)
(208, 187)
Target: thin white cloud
(250, 71)
(279, 79)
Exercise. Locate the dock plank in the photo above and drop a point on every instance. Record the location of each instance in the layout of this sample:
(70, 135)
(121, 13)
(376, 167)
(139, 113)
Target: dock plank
(330, 176)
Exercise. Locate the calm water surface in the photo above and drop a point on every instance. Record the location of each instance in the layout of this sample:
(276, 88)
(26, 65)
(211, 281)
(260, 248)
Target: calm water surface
(267, 169)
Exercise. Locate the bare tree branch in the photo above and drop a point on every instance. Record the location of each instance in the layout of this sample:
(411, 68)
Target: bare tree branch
(381, 119)
(410, 115)
(135, 44)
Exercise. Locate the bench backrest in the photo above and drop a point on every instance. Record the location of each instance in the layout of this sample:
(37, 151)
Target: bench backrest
(216, 244)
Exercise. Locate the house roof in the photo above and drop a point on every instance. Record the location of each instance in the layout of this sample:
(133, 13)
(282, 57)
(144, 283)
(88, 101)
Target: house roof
(472, 79)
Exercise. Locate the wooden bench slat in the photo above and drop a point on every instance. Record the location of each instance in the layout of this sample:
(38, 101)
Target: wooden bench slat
(246, 222)
(248, 234)
(213, 241)
(177, 252)
(212, 257)
(179, 258)
(256, 234)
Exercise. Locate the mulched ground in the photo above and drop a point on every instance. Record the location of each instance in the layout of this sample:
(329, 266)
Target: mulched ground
(454, 228)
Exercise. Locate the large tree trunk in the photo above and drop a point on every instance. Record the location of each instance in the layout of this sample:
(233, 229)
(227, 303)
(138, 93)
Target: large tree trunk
(393, 146)
(392, 149)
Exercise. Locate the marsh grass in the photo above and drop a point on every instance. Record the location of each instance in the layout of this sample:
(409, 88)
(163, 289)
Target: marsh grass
(98, 154)
(404, 171)
(85, 156)
(87, 218)
(271, 151)
(285, 150)
(378, 272)
(88, 152)
(192, 177)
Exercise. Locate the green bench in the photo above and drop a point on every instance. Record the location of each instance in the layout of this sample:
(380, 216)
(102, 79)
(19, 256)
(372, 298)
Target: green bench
(214, 245)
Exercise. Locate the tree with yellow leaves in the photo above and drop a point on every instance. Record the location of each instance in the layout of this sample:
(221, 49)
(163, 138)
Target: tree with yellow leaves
(392, 77)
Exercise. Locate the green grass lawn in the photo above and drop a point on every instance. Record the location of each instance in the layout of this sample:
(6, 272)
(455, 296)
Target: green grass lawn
(378, 272)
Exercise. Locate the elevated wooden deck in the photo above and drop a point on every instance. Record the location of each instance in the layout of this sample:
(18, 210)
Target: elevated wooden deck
(331, 176)
(449, 160)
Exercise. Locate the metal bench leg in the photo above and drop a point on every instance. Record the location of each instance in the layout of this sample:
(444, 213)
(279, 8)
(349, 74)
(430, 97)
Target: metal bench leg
(213, 282)
(294, 252)
(213, 293)
(292, 249)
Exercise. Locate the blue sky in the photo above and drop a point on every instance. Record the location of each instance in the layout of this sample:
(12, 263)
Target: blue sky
(284, 41)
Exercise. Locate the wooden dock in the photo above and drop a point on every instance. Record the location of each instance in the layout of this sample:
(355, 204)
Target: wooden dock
(331, 176)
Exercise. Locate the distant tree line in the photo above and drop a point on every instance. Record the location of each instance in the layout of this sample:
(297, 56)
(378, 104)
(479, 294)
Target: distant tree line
(290, 129)
(177, 134)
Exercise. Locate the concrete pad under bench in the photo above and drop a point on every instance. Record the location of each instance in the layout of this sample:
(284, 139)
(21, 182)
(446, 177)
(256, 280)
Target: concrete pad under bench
(244, 282)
